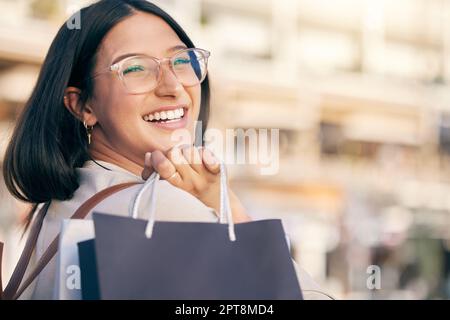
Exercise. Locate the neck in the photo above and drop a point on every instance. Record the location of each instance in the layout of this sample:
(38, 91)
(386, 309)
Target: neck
(102, 152)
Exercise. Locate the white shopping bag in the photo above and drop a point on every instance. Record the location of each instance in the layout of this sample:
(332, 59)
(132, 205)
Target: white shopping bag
(68, 276)
(73, 231)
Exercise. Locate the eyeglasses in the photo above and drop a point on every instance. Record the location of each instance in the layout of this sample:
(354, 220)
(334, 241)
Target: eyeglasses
(141, 74)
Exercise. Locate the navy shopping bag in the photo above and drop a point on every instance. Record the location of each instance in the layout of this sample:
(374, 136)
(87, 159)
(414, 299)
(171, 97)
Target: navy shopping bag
(186, 261)
(138, 259)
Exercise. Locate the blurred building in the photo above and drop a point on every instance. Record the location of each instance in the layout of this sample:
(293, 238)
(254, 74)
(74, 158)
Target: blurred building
(360, 92)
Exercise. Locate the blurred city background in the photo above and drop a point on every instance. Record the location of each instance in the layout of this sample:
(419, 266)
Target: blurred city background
(360, 90)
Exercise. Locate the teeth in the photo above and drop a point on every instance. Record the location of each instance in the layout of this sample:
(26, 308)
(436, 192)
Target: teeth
(165, 115)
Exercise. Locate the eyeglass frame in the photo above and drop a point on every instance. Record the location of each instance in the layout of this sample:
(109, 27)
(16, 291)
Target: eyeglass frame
(116, 67)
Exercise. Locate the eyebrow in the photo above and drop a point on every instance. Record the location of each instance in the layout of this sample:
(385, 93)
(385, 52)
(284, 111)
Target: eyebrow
(126, 55)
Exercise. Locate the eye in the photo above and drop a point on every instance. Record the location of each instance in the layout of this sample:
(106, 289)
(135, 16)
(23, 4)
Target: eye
(181, 61)
(134, 68)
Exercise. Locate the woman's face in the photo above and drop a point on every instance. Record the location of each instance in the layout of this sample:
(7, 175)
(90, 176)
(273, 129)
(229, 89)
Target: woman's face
(120, 124)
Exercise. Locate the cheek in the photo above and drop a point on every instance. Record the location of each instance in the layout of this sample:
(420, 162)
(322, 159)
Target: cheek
(115, 109)
(195, 96)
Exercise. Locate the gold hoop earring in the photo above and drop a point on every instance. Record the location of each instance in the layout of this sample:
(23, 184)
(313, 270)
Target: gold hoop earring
(88, 131)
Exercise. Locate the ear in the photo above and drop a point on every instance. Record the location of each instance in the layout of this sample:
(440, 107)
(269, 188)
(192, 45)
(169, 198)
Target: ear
(80, 110)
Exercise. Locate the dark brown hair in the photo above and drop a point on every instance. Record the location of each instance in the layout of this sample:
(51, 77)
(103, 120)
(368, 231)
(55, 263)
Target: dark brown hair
(48, 142)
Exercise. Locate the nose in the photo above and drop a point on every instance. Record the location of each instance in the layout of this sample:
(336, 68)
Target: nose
(168, 85)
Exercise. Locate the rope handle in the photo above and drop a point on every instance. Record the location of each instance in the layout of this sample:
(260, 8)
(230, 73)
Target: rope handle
(225, 208)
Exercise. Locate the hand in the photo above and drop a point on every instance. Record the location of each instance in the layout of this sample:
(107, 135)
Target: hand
(195, 170)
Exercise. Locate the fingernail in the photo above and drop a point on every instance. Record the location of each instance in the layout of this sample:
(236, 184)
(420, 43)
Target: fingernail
(157, 157)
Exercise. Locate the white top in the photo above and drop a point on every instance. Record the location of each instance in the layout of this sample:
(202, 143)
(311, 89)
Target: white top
(173, 204)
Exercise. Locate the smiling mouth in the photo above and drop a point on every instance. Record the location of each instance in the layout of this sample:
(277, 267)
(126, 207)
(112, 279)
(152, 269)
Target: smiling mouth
(165, 116)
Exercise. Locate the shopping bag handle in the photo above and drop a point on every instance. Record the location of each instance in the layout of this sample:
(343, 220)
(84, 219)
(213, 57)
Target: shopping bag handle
(152, 182)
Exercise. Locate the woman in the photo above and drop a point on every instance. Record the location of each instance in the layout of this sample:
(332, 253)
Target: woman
(109, 94)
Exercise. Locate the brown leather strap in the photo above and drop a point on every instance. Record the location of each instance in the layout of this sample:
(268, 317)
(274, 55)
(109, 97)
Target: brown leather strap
(19, 270)
(1, 263)
(81, 213)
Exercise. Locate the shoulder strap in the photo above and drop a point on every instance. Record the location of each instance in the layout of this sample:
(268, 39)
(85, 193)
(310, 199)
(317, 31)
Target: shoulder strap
(1, 263)
(13, 288)
(24, 259)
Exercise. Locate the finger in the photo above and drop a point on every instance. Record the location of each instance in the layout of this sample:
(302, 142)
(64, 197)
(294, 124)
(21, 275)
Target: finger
(165, 168)
(192, 155)
(148, 168)
(210, 161)
(181, 164)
